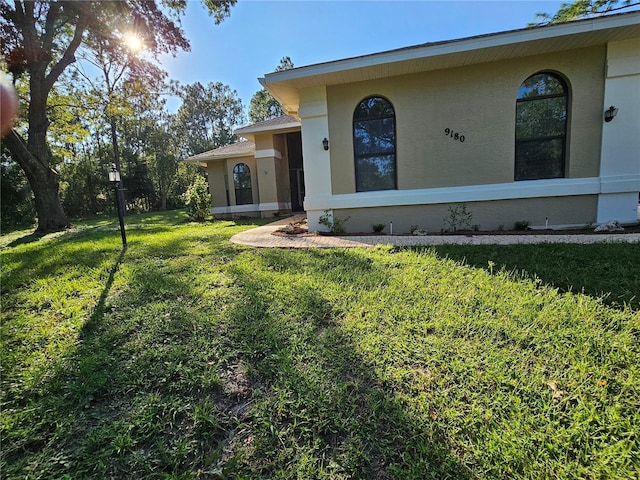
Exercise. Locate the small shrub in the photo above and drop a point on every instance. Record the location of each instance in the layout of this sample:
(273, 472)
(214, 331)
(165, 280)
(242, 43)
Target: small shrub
(414, 228)
(459, 218)
(500, 227)
(378, 227)
(198, 199)
(521, 225)
(333, 223)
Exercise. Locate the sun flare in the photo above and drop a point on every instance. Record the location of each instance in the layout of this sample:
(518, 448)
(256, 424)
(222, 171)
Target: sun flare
(133, 42)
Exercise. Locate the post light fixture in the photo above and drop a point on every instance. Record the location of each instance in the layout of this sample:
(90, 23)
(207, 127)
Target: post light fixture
(114, 178)
(114, 174)
(325, 144)
(610, 113)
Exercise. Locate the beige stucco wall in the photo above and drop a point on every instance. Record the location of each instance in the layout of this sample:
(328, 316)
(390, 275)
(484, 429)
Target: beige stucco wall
(272, 171)
(216, 172)
(264, 141)
(560, 211)
(282, 170)
(478, 102)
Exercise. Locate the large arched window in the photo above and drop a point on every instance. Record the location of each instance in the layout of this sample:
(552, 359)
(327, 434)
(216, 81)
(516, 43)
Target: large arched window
(541, 127)
(242, 184)
(374, 144)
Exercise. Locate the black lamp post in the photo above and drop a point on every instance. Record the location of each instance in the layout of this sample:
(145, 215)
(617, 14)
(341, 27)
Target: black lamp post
(114, 178)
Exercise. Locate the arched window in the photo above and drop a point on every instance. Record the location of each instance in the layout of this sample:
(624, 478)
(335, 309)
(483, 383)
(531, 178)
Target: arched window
(242, 184)
(374, 144)
(541, 127)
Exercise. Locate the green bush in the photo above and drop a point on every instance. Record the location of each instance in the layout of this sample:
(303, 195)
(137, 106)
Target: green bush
(198, 199)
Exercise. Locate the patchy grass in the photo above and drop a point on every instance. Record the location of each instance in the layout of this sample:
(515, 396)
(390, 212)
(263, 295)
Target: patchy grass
(187, 357)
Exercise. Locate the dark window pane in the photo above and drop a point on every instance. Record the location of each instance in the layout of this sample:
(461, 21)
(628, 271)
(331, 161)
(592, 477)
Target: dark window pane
(541, 118)
(374, 136)
(541, 128)
(374, 144)
(375, 173)
(244, 196)
(373, 107)
(242, 176)
(242, 184)
(537, 159)
(540, 85)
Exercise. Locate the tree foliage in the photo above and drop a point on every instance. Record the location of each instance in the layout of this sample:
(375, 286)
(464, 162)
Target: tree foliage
(41, 40)
(262, 105)
(207, 117)
(583, 9)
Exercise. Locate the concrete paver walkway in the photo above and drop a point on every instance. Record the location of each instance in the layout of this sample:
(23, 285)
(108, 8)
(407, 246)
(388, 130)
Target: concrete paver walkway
(262, 237)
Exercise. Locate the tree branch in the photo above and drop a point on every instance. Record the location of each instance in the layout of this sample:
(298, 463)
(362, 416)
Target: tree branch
(49, 26)
(20, 153)
(69, 55)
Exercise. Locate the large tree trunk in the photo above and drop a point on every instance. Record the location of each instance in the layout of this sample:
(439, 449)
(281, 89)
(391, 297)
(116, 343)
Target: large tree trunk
(44, 184)
(33, 155)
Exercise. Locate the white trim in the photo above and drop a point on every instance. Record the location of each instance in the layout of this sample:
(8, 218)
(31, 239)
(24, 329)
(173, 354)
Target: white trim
(620, 184)
(456, 46)
(252, 207)
(268, 153)
(267, 128)
(272, 206)
(622, 207)
(476, 193)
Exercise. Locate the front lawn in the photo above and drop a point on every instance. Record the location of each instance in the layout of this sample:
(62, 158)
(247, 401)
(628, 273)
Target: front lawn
(188, 357)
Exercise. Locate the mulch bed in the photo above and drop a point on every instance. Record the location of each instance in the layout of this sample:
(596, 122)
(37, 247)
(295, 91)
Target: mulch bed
(303, 231)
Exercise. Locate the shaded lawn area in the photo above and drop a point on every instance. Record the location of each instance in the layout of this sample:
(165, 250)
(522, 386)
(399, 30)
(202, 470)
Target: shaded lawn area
(188, 357)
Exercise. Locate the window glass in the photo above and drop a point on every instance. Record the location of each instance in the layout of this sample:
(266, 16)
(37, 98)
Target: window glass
(242, 184)
(541, 128)
(540, 85)
(374, 142)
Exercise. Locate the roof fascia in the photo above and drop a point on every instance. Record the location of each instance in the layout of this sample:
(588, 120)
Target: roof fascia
(206, 159)
(455, 46)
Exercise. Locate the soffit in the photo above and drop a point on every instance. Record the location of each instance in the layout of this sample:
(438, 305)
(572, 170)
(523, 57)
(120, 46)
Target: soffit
(285, 86)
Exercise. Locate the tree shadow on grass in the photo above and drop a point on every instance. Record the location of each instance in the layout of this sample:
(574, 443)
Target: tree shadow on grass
(319, 408)
(26, 239)
(603, 270)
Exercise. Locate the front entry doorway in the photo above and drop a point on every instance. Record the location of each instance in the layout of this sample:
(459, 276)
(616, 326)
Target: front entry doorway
(296, 171)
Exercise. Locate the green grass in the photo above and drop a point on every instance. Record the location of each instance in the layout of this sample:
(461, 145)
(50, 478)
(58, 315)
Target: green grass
(188, 357)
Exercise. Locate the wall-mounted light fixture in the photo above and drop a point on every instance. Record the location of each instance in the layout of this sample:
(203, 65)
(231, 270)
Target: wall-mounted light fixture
(325, 143)
(610, 113)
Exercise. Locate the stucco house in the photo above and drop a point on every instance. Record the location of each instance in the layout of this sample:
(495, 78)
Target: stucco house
(539, 125)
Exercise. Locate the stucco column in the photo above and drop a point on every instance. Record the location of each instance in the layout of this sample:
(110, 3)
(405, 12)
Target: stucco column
(317, 166)
(620, 155)
(266, 171)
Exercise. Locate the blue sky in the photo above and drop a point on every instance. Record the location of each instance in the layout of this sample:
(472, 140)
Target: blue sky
(258, 33)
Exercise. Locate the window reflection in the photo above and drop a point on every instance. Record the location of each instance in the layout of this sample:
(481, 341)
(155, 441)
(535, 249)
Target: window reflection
(374, 140)
(541, 127)
(242, 184)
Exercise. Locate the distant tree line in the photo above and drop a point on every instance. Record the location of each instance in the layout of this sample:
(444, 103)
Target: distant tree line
(91, 94)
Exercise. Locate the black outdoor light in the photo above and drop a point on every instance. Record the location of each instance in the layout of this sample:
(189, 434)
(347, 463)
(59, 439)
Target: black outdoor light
(114, 178)
(325, 143)
(610, 113)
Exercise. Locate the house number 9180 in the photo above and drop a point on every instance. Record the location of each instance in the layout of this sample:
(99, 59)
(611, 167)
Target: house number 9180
(455, 135)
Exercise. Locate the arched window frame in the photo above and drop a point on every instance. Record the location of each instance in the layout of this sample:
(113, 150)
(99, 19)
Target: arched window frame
(242, 184)
(540, 152)
(387, 155)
